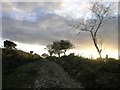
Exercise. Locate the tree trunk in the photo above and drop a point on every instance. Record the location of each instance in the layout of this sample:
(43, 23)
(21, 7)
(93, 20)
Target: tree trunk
(98, 50)
(58, 54)
(64, 52)
(50, 54)
(95, 44)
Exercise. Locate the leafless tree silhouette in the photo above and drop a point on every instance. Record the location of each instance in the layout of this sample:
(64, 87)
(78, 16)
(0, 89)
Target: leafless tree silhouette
(100, 14)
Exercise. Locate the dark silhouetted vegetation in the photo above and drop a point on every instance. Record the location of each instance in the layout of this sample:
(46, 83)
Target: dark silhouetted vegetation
(19, 69)
(12, 59)
(92, 73)
(59, 47)
(9, 44)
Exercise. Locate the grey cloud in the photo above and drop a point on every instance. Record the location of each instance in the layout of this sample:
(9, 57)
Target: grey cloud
(29, 6)
(51, 27)
(43, 32)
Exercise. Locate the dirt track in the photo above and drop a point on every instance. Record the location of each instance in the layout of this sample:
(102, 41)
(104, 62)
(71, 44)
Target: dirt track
(52, 75)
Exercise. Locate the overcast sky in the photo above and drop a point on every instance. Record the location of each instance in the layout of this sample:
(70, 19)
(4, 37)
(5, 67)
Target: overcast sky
(34, 25)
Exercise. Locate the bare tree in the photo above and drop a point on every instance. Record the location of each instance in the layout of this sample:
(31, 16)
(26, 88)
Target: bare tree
(99, 15)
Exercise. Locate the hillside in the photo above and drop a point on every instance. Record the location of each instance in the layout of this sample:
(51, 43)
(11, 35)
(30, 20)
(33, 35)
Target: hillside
(26, 70)
(33, 72)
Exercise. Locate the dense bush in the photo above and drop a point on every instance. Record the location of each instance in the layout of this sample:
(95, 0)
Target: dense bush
(19, 68)
(12, 59)
(92, 73)
(22, 77)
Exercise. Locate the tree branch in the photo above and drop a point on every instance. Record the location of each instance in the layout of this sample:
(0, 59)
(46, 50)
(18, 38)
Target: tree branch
(98, 27)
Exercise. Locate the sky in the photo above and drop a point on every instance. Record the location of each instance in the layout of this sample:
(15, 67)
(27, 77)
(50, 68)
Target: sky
(33, 25)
